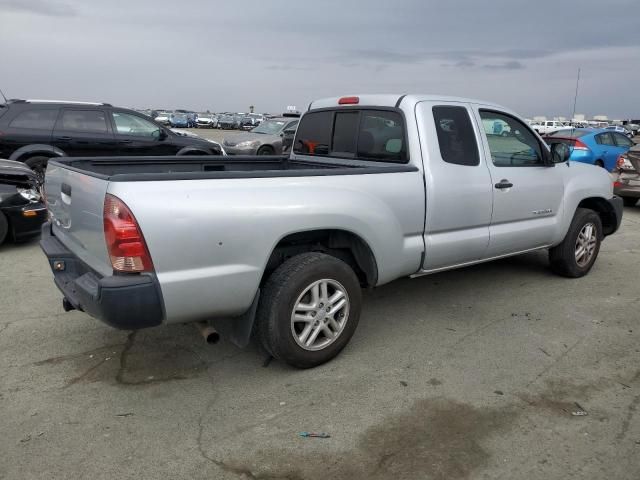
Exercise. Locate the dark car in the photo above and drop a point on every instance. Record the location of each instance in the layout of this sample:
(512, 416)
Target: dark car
(22, 212)
(226, 122)
(35, 130)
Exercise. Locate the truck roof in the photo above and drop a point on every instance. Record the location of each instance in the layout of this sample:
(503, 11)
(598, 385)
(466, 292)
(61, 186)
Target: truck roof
(394, 100)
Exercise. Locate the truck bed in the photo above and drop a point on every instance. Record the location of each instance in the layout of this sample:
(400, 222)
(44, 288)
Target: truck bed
(120, 169)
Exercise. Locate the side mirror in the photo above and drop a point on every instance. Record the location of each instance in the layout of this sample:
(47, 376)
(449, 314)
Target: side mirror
(560, 152)
(160, 134)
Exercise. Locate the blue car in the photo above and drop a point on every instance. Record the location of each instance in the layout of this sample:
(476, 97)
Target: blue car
(598, 147)
(179, 120)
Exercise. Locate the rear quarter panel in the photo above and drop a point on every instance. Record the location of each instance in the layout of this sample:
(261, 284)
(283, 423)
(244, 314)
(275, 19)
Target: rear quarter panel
(210, 239)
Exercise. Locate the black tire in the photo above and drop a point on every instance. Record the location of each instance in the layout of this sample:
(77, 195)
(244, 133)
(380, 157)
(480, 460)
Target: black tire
(4, 228)
(266, 150)
(563, 256)
(599, 163)
(281, 292)
(629, 201)
(39, 165)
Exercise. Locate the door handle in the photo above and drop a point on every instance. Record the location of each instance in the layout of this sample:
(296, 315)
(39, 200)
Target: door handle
(124, 141)
(64, 139)
(504, 183)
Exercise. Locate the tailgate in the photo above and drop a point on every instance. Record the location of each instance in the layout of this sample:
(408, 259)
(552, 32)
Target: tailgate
(75, 201)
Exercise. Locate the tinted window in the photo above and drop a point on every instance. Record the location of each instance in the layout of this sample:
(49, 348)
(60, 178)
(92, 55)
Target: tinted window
(84, 121)
(371, 134)
(621, 140)
(35, 119)
(127, 124)
(314, 134)
(515, 146)
(456, 138)
(345, 134)
(381, 136)
(605, 139)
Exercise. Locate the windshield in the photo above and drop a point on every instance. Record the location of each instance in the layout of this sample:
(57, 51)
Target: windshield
(270, 127)
(180, 116)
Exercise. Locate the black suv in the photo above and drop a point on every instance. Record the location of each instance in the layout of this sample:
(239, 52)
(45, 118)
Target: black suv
(32, 131)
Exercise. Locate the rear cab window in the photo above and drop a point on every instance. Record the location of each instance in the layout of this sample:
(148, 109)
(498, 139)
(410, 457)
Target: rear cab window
(358, 133)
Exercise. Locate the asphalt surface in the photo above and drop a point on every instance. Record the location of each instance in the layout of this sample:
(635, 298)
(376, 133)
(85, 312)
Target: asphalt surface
(498, 371)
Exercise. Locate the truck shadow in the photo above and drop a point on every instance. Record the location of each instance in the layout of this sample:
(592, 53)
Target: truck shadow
(177, 352)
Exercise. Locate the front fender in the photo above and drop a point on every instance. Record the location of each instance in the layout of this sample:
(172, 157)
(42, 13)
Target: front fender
(582, 182)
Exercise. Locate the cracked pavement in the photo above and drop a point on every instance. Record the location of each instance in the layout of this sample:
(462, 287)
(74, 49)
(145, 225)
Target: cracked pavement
(476, 373)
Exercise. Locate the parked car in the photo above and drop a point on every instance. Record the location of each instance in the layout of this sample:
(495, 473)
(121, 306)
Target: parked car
(278, 249)
(226, 122)
(545, 128)
(22, 211)
(247, 123)
(163, 118)
(265, 139)
(633, 127)
(179, 120)
(596, 147)
(620, 129)
(626, 182)
(34, 131)
(206, 120)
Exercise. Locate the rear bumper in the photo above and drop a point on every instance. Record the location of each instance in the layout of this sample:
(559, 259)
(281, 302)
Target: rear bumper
(627, 185)
(26, 221)
(122, 301)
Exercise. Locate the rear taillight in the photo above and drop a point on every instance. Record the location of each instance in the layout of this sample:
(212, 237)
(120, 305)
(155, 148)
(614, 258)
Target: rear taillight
(125, 243)
(623, 163)
(578, 145)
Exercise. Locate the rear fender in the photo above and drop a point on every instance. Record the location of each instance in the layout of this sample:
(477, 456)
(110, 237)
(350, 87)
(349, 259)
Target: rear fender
(36, 149)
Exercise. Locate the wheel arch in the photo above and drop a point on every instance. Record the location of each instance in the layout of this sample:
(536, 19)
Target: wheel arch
(604, 210)
(28, 151)
(343, 244)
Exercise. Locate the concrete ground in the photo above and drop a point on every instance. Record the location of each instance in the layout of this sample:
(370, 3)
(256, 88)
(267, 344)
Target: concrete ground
(499, 371)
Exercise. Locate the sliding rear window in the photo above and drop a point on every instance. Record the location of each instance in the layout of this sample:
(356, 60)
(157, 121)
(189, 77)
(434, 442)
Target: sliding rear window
(363, 134)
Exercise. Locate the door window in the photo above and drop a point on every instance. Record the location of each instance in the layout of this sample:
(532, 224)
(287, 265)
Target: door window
(605, 139)
(621, 140)
(35, 119)
(456, 137)
(127, 124)
(515, 146)
(93, 121)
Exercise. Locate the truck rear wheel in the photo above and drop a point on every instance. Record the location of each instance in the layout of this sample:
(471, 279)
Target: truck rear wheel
(577, 253)
(309, 309)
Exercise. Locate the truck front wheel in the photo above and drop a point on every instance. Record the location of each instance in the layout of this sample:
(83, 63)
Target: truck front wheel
(577, 253)
(309, 309)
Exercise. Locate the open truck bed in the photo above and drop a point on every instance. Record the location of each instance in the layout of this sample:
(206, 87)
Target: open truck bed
(130, 169)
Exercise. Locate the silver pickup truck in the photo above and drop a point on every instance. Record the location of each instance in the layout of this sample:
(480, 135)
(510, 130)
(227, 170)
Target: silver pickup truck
(376, 187)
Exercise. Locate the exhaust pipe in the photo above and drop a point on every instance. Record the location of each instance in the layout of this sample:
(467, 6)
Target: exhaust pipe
(210, 334)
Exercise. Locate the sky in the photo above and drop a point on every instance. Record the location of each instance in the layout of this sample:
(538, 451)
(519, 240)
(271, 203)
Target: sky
(226, 55)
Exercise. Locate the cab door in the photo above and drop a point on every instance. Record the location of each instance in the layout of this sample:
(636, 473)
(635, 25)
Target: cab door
(527, 191)
(458, 185)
